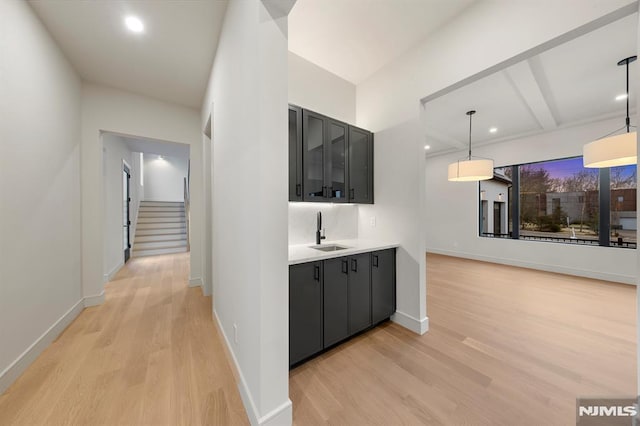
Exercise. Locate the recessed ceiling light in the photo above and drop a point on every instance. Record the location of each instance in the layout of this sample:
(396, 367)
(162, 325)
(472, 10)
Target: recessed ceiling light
(427, 147)
(493, 129)
(134, 24)
(621, 97)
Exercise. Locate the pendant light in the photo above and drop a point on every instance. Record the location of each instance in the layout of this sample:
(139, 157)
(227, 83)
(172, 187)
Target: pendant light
(618, 150)
(468, 169)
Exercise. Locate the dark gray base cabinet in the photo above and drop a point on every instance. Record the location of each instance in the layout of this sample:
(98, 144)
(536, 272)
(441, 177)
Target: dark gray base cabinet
(383, 296)
(331, 300)
(305, 310)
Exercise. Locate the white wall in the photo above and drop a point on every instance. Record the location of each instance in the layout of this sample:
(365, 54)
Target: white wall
(115, 151)
(250, 272)
(40, 257)
(106, 109)
(398, 195)
(164, 177)
(485, 35)
(339, 221)
(319, 90)
(452, 214)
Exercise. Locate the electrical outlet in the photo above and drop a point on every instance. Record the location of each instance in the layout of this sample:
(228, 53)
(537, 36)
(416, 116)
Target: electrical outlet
(372, 221)
(235, 333)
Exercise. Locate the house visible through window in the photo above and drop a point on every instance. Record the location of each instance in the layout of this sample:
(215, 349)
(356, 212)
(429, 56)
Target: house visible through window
(561, 201)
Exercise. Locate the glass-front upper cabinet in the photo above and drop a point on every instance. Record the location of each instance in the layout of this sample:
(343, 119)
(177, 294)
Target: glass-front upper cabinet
(324, 153)
(295, 153)
(313, 155)
(337, 168)
(360, 166)
(329, 160)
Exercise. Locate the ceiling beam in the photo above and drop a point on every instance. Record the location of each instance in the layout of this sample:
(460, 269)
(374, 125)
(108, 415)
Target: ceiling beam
(523, 80)
(437, 136)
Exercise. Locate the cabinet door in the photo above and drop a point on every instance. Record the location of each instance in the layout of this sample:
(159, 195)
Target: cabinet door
(360, 166)
(383, 284)
(295, 153)
(359, 292)
(336, 321)
(337, 164)
(305, 310)
(313, 156)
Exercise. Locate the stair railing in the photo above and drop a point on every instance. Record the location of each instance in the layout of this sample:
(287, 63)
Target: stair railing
(187, 211)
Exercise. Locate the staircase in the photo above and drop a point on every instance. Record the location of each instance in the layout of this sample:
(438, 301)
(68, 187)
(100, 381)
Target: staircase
(161, 229)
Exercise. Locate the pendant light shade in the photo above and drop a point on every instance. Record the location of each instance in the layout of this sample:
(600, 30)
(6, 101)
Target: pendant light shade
(618, 150)
(469, 170)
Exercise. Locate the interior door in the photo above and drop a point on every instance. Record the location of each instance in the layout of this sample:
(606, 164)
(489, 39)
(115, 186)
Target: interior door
(497, 218)
(126, 208)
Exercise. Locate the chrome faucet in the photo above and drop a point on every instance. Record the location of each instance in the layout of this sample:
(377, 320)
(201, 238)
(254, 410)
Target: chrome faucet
(319, 236)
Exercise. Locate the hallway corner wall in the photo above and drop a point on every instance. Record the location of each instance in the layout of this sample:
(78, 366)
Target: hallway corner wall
(40, 256)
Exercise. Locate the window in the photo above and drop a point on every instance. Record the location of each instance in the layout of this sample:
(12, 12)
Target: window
(560, 201)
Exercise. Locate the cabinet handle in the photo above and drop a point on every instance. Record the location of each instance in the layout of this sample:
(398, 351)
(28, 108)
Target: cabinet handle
(375, 260)
(345, 267)
(316, 273)
(353, 193)
(354, 265)
(298, 189)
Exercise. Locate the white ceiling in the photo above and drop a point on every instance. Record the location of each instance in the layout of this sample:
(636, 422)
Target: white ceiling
(355, 38)
(152, 146)
(170, 61)
(573, 83)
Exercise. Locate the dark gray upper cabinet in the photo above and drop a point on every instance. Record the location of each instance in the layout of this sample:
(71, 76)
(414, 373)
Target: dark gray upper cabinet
(359, 298)
(383, 284)
(314, 156)
(305, 311)
(360, 166)
(336, 320)
(321, 158)
(337, 166)
(295, 153)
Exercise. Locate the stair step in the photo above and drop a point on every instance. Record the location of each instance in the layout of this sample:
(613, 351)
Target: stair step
(161, 208)
(177, 213)
(160, 237)
(161, 203)
(155, 252)
(162, 225)
(166, 219)
(158, 245)
(159, 231)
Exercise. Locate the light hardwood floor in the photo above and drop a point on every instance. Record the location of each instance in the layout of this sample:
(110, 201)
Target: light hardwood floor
(506, 346)
(150, 355)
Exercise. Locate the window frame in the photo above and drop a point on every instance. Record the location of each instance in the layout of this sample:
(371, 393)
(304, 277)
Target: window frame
(604, 212)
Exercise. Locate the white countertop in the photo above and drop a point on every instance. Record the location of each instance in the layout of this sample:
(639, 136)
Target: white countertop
(303, 253)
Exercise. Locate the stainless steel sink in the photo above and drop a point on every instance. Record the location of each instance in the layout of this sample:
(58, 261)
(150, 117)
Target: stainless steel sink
(329, 247)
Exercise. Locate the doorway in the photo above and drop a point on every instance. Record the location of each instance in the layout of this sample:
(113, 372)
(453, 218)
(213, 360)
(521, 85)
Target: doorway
(497, 218)
(126, 211)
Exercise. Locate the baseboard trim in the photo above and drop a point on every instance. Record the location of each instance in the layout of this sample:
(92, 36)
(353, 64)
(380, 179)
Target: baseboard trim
(94, 300)
(109, 276)
(281, 415)
(195, 282)
(418, 326)
(596, 275)
(17, 367)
